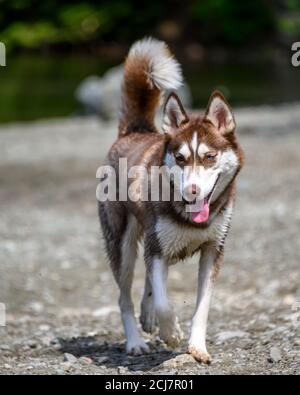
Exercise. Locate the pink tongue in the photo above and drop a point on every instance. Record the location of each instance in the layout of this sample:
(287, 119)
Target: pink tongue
(201, 215)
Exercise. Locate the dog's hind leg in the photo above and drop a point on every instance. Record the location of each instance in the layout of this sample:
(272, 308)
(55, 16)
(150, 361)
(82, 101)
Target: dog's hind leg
(148, 317)
(121, 245)
(135, 344)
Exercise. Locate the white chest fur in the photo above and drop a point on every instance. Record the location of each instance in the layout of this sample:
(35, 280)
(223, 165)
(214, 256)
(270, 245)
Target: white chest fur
(175, 239)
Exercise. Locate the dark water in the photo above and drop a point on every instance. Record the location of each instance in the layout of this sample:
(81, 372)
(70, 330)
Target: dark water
(33, 87)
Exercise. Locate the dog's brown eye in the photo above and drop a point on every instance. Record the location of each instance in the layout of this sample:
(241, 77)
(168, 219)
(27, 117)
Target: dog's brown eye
(179, 158)
(211, 157)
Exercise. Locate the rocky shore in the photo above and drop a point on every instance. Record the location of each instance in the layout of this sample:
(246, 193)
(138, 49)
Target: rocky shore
(61, 301)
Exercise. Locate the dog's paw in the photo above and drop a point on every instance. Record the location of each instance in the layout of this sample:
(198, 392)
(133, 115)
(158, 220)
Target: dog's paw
(199, 355)
(171, 334)
(137, 347)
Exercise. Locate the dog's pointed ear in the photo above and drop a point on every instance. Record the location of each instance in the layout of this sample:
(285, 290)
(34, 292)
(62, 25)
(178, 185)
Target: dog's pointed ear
(220, 114)
(174, 115)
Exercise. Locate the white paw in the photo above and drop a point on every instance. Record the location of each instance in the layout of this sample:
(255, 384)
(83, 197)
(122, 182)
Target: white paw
(137, 347)
(201, 356)
(171, 332)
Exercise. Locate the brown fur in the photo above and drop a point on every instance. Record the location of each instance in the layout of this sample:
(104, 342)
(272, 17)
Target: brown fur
(140, 99)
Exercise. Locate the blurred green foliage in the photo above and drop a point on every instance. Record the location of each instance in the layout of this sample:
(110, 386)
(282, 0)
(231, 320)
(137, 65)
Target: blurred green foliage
(235, 22)
(33, 24)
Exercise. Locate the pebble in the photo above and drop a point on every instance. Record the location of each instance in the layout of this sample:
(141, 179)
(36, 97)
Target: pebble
(275, 355)
(122, 370)
(36, 307)
(70, 358)
(85, 360)
(67, 366)
(46, 341)
(179, 360)
(30, 343)
(4, 347)
(289, 300)
(228, 335)
(102, 359)
(44, 328)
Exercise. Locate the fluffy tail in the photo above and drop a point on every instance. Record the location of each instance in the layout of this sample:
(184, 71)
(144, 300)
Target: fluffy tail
(150, 69)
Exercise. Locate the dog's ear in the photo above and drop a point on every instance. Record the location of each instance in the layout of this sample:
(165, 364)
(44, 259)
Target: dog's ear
(219, 113)
(174, 115)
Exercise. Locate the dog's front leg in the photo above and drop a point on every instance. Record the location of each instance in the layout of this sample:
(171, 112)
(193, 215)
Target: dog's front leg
(170, 331)
(208, 269)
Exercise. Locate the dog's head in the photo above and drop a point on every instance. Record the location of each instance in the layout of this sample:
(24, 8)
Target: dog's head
(205, 151)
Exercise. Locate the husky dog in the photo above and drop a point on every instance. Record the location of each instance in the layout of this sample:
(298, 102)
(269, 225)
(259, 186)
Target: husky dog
(208, 155)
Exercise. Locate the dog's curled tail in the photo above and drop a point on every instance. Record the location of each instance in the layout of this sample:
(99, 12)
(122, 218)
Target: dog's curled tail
(149, 70)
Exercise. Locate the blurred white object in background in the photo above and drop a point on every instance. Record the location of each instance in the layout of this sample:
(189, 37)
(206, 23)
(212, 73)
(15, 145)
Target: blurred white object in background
(2, 314)
(101, 96)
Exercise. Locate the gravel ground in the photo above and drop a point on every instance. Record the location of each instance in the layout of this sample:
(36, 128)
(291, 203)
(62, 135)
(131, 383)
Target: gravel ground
(61, 300)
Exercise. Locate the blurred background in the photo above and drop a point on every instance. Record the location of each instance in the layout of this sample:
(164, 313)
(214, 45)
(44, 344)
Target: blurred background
(243, 48)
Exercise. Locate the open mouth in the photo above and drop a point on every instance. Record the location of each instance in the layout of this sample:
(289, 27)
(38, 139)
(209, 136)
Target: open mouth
(200, 208)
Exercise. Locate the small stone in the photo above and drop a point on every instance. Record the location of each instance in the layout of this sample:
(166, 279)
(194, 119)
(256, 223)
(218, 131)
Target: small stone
(70, 358)
(275, 355)
(289, 300)
(102, 359)
(44, 328)
(30, 343)
(6, 366)
(297, 342)
(85, 360)
(92, 333)
(67, 366)
(178, 361)
(4, 347)
(122, 370)
(46, 341)
(228, 335)
(36, 307)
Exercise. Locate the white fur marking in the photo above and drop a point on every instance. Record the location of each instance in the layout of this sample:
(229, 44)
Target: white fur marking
(198, 335)
(202, 150)
(135, 344)
(194, 144)
(159, 285)
(173, 238)
(185, 150)
(164, 71)
(170, 330)
(227, 165)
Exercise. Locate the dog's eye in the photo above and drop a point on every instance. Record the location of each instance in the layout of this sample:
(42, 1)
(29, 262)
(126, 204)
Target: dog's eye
(180, 158)
(211, 156)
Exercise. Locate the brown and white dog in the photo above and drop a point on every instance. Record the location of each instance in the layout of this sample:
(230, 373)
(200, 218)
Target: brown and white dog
(206, 151)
